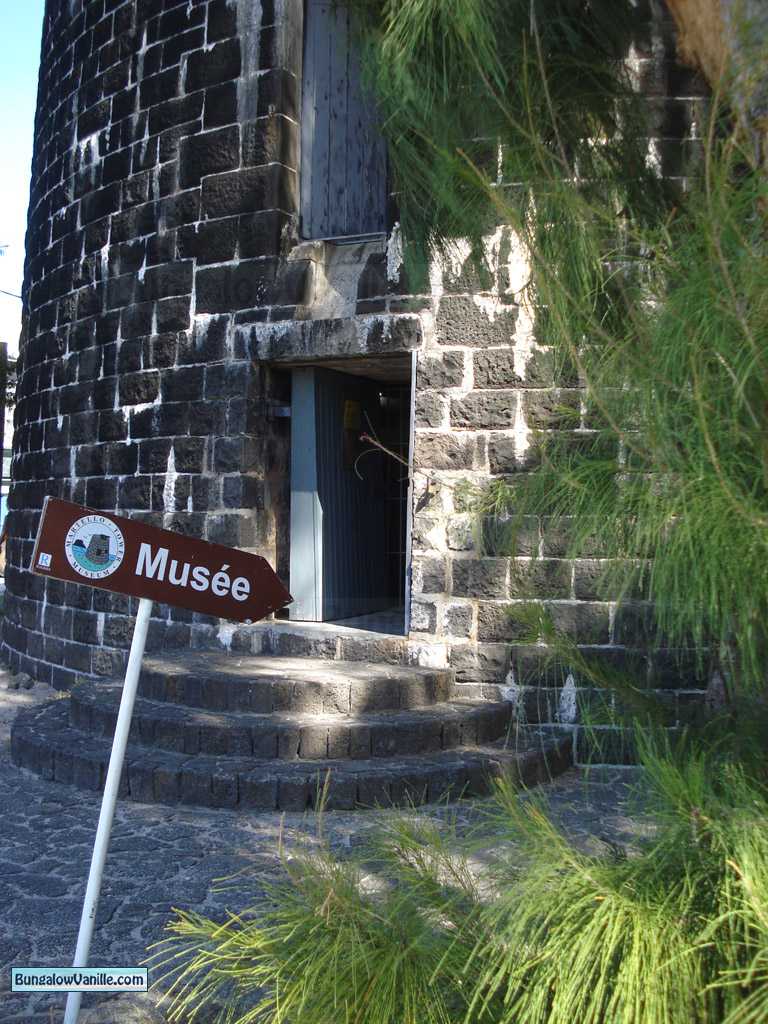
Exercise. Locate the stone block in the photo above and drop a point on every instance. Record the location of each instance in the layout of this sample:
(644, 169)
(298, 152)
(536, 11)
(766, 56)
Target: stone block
(552, 409)
(442, 370)
(139, 388)
(497, 622)
(448, 451)
(295, 793)
(222, 20)
(480, 410)
(249, 190)
(428, 575)
(220, 63)
(220, 105)
(195, 786)
(633, 624)
(237, 286)
(463, 321)
(341, 792)
(184, 384)
(175, 47)
(585, 622)
(208, 153)
(544, 578)
(260, 234)
(174, 112)
(288, 743)
(258, 791)
(214, 242)
(431, 409)
(313, 742)
(458, 620)
(495, 369)
(480, 578)
(270, 139)
(423, 616)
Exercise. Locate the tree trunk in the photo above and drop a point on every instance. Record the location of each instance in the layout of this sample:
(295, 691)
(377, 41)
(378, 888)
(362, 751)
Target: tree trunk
(728, 41)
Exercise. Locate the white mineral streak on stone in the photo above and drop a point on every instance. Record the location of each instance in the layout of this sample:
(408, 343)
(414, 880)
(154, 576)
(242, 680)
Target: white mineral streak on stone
(428, 655)
(248, 31)
(140, 61)
(513, 692)
(395, 254)
(567, 707)
(653, 156)
(59, 420)
(169, 489)
(201, 324)
(519, 270)
(491, 304)
(88, 149)
(142, 270)
(419, 618)
(449, 263)
(100, 617)
(141, 406)
(363, 325)
(189, 503)
(105, 262)
(225, 634)
(436, 284)
(632, 61)
(265, 336)
(521, 433)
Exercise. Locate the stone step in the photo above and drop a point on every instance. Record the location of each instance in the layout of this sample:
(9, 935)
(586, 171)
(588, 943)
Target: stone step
(265, 684)
(44, 741)
(326, 640)
(290, 735)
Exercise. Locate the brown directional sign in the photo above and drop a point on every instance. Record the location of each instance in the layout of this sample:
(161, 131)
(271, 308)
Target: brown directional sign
(102, 550)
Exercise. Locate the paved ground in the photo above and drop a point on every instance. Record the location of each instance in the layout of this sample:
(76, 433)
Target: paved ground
(164, 857)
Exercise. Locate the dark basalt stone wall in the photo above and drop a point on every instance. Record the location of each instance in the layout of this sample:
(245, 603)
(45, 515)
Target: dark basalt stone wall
(163, 192)
(165, 286)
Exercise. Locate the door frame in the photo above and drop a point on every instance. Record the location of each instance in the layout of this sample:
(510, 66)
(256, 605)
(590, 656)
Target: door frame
(306, 526)
(306, 520)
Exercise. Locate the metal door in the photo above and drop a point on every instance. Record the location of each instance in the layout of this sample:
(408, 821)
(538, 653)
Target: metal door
(339, 566)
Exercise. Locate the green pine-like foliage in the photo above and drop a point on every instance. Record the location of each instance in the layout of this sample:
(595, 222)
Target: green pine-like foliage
(515, 921)
(650, 294)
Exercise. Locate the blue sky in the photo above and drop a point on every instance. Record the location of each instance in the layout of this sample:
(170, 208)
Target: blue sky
(21, 24)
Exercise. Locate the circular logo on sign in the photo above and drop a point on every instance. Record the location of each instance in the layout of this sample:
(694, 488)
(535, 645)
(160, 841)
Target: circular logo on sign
(94, 547)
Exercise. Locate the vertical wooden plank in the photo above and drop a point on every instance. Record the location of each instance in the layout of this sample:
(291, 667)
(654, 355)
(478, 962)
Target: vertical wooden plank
(355, 158)
(308, 119)
(323, 41)
(339, 125)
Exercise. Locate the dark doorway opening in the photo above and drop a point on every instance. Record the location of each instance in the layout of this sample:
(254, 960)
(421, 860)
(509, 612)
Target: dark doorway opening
(350, 493)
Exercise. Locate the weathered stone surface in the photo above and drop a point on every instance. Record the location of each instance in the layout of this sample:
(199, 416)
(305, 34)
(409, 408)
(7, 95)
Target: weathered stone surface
(163, 274)
(495, 369)
(480, 578)
(462, 321)
(447, 451)
(442, 370)
(483, 409)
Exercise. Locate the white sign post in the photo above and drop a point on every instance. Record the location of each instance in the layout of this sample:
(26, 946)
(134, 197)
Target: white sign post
(116, 758)
(97, 549)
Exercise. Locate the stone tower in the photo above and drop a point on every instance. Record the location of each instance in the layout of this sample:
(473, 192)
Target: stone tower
(216, 314)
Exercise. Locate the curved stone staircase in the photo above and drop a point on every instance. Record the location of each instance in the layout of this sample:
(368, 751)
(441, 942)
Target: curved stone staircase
(269, 733)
